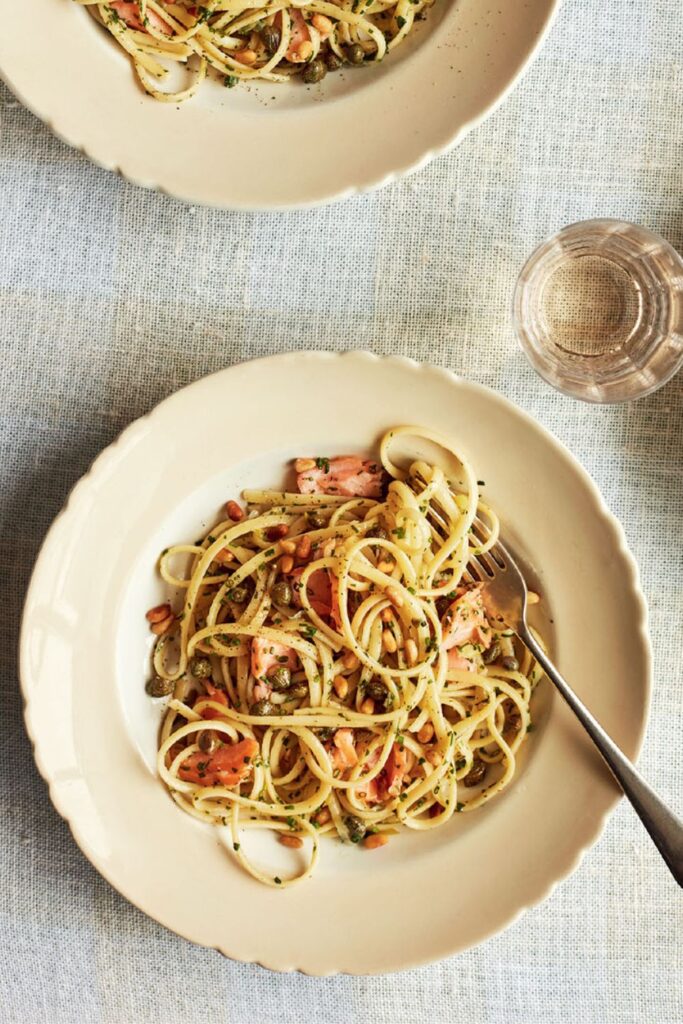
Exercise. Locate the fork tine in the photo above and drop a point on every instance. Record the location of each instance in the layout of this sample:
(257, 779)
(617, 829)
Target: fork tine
(470, 576)
(497, 552)
(485, 559)
(489, 567)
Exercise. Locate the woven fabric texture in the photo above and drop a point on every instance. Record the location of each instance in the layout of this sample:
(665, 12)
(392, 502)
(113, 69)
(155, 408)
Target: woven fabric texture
(112, 297)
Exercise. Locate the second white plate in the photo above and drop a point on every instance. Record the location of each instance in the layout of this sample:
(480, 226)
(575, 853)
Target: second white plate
(271, 146)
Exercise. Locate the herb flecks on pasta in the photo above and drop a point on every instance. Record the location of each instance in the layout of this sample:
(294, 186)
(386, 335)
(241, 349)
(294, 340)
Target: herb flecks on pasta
(273, 41)
(330, 668)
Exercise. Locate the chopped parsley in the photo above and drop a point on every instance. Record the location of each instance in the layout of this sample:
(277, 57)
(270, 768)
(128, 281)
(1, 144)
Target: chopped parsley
(323, 464)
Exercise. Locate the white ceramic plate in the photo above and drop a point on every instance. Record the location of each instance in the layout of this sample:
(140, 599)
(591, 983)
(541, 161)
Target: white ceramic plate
(270, 146)
(85, 650)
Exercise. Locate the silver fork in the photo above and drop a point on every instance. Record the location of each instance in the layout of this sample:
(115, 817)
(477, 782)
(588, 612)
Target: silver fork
(507, 593)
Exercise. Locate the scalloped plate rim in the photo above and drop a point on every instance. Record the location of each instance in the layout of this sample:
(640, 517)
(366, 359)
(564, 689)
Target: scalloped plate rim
(394, 174)
(112, 451)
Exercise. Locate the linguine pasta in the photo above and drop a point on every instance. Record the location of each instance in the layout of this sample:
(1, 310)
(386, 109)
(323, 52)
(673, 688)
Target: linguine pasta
(272, 41)
(331, 669)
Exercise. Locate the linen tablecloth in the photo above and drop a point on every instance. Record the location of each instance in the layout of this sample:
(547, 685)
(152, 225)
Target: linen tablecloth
(112, 297)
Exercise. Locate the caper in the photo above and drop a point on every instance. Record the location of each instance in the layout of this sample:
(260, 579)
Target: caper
(376, 690)
(238, 594)
(282, 593)
(314, 72)
(326, 734)
(513, 719)
(510, 664)
(316, 519)
(270, 37)
(476, 774)
(355, 828)
(333, 61)
(355, 54)
(201, 668)
(379, 532)
(280, 679)
(492, 654)
(159, 687)
(262, 708)
(298, 691)
(208, 741)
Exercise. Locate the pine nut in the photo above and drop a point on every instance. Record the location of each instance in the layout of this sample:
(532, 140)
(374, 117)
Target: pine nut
(532, 597)
(305, 51)
(368, 706)
(303, 548)
(322, 24)
(246, 57)
(350, 661)
(157, 614)
(277, 532)
(234, 511)
(375, 840)
(286, 564)
(293, 842)
(386, 615)
(341, 686)
(224, 557)
(385, 565)
(288, 546)
(162, 627)
(426, 733)
(434, 756)
(389, 641)
(395, 597)
(303, 465)
(323, 816)
(411, 652)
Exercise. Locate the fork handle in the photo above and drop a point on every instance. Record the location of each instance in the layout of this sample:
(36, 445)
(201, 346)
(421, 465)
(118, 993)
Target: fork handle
(666, 830)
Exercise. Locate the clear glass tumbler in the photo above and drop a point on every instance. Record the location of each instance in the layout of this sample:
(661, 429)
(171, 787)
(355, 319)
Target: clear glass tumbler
(598, 310)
